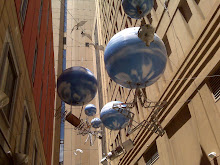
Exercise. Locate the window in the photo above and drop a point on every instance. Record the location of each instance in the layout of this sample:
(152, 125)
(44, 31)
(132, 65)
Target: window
(167, 45)
(23, 10)
(214, 84)
(151, 156)
(8, 79)
(35, 155)
(130, 20)
(120, 10)
(25, 131)
(40, 15)
(178, 121)
(34, 62)
(197, 1)
(155, 5)
(64, 40)
(126, 24)
(149, 18)
(185, 10)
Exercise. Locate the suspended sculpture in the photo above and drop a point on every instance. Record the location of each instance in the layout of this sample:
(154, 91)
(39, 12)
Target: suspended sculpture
(77, 86)
(132, 64)
(90, 110)
(96, 123)
(114, 119)
(137, 8)
(83, 128)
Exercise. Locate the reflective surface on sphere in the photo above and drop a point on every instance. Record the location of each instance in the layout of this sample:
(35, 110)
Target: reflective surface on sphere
(90, 110)
(112, 119)
(137, 8)
(130, 63)
(76, 86)
(96, 123)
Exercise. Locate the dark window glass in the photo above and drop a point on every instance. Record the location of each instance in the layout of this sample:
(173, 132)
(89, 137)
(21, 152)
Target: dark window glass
(185, 10)
(167, 45)
(151, 155)
(25, 134)
(155, 5)
(149, 18)
(214, 84)
(197, 1)
(7, 81)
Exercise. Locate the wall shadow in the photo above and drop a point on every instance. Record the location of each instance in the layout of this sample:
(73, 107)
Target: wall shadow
(204, 159)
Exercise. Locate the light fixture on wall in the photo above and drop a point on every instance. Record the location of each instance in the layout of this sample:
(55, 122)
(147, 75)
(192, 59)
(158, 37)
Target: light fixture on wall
(212, 155)
(4, 100)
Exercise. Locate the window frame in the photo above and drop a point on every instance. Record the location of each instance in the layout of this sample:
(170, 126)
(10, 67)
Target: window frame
(20, 12)
(26, 114)
(8, 45)
(35, 153)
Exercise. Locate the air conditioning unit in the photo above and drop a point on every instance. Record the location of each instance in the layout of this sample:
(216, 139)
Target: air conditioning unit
(20, 159)
(126, 146)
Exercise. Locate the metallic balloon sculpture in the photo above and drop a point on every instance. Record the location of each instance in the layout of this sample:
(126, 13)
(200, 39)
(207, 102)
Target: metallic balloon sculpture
(96, 123)
(112, 118)
(137, 8)
(132, 64)
(77, 86)
(135, 58)
(83, 127)
(90, 110)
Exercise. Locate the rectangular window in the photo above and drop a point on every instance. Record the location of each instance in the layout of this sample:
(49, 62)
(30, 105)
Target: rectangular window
(149, 18)
(120, 10)
(214, 84)
(151, 156)
(64, 40)
(185, 10)
(23, 11)
(25, 131)
(34, 62)
(40, 15)
(167, 45)
(130, 20)
(8, 79)
(155, 5)
(197, 1)
(126, 24)
(178, 121)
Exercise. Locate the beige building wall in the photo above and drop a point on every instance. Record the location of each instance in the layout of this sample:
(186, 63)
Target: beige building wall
(191, 115)
(77, 54)
(12, 130)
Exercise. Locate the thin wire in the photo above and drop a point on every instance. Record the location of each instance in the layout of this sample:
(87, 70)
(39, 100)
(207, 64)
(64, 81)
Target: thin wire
(81, 112)
(70, 13)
